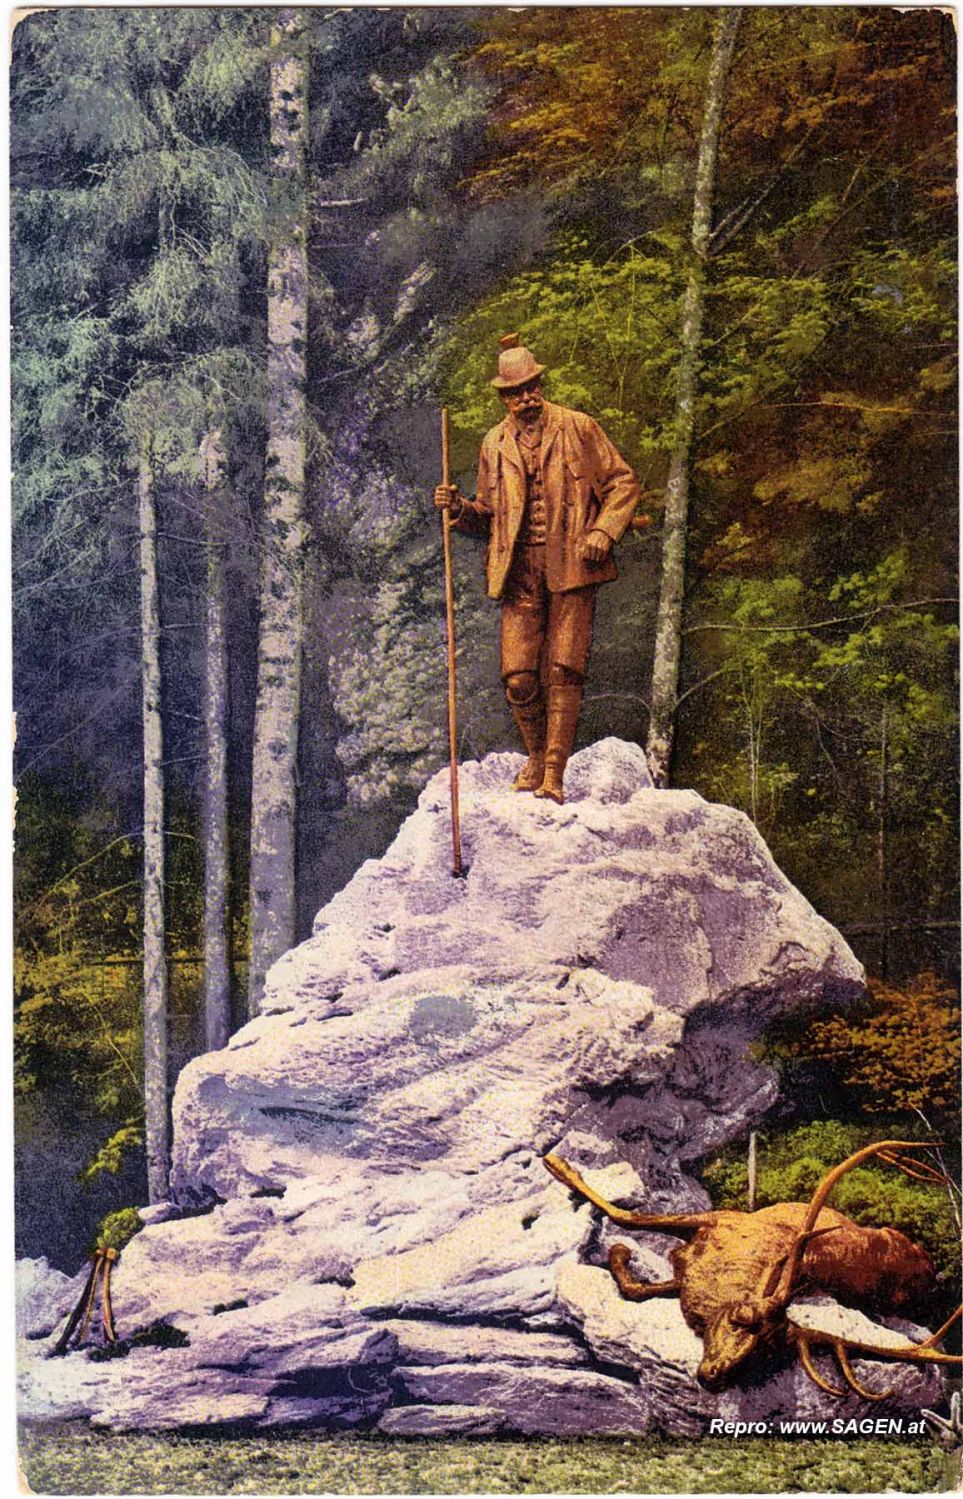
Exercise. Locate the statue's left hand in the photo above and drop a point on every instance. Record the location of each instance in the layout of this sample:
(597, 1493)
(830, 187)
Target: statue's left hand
(596, 546)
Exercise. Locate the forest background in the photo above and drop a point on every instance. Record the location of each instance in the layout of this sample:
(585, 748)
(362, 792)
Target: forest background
(252, 253)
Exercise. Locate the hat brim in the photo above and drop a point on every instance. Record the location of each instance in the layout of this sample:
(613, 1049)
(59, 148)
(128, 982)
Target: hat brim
(500, 384)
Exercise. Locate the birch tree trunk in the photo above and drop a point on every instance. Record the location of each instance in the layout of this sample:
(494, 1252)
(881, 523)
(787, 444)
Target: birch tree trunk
(274, 770)
(668, 628)
(217, 970)
(157, 1129)
(752, 1172)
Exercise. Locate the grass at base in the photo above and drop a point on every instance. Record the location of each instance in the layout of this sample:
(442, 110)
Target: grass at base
(75, 1460)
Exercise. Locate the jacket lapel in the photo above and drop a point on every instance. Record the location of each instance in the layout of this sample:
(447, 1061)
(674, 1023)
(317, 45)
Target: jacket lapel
(553, 468)
(513, 480)
(509, 447)
(553, 425)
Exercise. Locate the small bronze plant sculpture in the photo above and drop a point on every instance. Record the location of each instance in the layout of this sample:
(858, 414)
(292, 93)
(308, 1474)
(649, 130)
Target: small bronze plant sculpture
(739, 1272)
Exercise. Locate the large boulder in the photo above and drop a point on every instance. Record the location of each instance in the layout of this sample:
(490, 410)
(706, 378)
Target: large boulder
(361, 1229)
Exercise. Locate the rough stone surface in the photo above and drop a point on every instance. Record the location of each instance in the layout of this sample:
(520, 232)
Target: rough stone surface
(433, 1343)
(566, 1402)
(44, 1297)
(440, 1421)
(361, 1230)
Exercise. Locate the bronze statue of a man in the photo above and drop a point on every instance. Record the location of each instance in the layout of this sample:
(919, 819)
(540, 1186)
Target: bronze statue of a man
(553, 495)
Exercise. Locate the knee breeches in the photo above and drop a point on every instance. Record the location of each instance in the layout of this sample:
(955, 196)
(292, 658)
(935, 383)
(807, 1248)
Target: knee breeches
(543, 630)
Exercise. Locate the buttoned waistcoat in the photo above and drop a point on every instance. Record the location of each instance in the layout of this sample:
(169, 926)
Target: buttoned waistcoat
(588, 486)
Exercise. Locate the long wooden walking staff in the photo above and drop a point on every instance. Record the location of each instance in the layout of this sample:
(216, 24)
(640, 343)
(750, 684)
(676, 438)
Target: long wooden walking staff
(456, 867)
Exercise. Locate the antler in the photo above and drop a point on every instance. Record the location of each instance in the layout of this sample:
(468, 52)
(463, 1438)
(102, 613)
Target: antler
(887, 1150)
(918, 1353)
(569, 1177)
(920, 1171)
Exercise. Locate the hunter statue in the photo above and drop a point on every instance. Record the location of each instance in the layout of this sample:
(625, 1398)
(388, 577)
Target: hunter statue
(553, 496)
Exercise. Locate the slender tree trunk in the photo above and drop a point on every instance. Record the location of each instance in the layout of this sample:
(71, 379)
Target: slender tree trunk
(882, 849)
(274, 771)
(322, 786)
(755, 748)
(753, 1171)
(753, 768)
(217, 966)
(668, 627)
(155, 958)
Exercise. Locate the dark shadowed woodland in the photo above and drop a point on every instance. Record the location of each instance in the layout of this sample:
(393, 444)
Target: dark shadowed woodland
(252, 254)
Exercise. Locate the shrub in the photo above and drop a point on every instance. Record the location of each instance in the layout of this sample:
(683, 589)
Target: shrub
(117, 1229)
(902, 1054)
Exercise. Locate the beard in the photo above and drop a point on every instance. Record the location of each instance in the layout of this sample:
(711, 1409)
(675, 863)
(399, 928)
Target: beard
(529, 412)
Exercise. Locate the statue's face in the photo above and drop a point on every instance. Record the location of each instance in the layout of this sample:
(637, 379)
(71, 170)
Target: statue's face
(524, 402)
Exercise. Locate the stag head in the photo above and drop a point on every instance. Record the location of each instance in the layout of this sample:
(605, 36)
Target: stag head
(733, 1334)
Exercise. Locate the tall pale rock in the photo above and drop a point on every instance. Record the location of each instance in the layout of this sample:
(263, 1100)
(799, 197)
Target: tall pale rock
(363, 1232)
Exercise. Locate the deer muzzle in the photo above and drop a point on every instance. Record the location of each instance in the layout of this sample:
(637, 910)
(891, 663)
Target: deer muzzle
(726, 1342)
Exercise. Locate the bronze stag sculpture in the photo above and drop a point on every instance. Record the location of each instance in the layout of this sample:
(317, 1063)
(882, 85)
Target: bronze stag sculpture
(738, 1273)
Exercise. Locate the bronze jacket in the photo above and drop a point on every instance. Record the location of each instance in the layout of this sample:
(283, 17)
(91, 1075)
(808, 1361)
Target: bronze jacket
(587, 486)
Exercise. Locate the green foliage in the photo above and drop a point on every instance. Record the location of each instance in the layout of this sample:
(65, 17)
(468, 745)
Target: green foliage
(410, 157)
(77, 965)
(829, 732)
(76, 1021)
(605, 329)
(112, 1155)
(792, 1164)
(138, 215)
(116, 1230)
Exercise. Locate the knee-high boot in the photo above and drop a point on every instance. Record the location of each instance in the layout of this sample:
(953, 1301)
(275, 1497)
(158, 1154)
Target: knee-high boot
(564, 703)
(530, 718)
